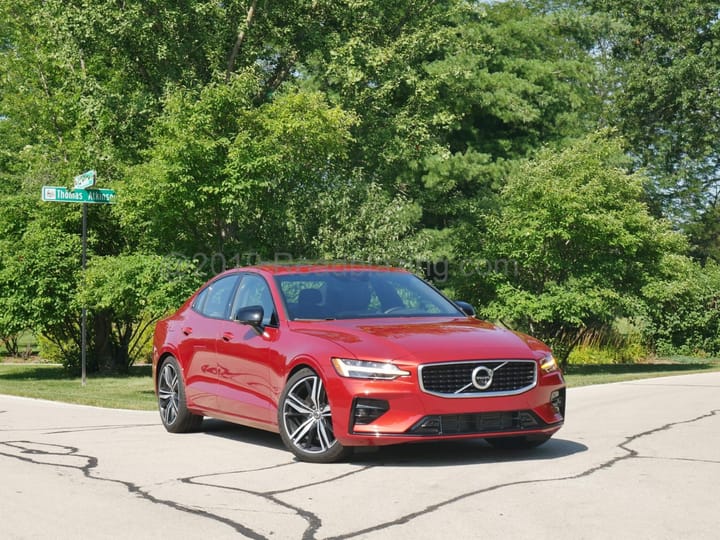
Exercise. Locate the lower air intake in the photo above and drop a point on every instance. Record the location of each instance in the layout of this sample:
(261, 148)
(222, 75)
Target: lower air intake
(470, 423)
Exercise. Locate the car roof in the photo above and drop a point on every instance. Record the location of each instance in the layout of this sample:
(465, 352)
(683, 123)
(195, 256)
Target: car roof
(279, 269)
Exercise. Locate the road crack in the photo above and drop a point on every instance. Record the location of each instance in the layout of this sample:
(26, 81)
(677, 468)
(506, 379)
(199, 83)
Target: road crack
(75, 429)
(631, 454)
(28, 450)
(54, 454)
(313, 520)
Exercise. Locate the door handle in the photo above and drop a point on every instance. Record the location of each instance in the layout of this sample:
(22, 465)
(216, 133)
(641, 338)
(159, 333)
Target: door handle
(187, 330)
(228, 336)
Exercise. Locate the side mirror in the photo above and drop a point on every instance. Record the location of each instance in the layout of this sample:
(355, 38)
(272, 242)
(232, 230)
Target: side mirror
(466, 308)
(252, 316)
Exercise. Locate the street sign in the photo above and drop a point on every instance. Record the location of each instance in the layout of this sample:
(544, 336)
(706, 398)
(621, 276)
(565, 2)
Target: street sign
(63, 194)
(85, 180)
(81, 194)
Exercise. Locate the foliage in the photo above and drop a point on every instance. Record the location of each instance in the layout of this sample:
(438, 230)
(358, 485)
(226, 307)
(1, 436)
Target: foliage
(129, 293)
(683, 307)
(454, 91)
(396, 131)
(584, 240)
(621, 343)
(367, 224)
(663, 69)
(227, 177)
(39, 285)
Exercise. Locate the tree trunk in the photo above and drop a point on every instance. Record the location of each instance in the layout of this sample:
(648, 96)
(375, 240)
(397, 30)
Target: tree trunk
(11, 345)
(103, 350)
(242, 32)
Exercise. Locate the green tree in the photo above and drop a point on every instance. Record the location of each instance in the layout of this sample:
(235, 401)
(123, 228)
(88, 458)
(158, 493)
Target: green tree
(228, 177)
(372, 129)
(663, 71)
(583, 240)
(129, 294)
(38, 280)
(365, 224)
(448, 92)
(683, 307)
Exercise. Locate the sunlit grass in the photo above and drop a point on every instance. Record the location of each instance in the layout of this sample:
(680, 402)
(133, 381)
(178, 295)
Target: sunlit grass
(135, 390)
(608, 373)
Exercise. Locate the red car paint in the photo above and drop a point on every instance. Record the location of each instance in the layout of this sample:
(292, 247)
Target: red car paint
(237, 372)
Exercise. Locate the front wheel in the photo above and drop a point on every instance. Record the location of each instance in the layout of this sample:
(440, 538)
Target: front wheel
(305, 420)
(518, 443)
(174, 413)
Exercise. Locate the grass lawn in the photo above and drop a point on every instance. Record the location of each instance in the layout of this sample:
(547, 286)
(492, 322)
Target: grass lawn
(607, 373)
(135, 391)
(49, 381)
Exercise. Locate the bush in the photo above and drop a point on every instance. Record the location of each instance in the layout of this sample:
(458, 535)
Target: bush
(621, 343)
(585, 243)
(683, 308)
(67, 354)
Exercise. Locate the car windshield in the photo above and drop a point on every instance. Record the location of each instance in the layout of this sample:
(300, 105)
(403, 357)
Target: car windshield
(356, 294)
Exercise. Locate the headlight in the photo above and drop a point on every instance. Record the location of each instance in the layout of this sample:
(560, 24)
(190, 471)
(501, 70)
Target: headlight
(548, 364)
(363, 369)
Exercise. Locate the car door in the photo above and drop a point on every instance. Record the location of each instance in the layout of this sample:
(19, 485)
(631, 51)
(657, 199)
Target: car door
(200, 329)
(242, 356)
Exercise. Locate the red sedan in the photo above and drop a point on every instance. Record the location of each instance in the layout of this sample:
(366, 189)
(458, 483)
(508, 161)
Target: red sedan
(333, 357)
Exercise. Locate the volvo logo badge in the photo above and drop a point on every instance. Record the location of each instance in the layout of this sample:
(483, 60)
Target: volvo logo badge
(482, 377)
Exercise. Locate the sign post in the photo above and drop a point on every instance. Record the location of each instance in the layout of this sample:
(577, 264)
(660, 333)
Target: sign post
(81, 193)
(83, 319)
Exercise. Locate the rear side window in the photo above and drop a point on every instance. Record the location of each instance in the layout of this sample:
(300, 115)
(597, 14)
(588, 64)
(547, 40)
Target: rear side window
(214, 300)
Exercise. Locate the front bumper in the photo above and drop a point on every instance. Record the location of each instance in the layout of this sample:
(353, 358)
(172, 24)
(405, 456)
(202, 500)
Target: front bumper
(376, 413)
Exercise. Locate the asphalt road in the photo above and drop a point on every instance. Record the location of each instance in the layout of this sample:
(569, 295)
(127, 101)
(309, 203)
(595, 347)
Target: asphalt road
(635, 460)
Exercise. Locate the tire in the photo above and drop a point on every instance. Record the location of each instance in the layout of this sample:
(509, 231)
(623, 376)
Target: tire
(305, 420)
(172, 405)
(525, 442)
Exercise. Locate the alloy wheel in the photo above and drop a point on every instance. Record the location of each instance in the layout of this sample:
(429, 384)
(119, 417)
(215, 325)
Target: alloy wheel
(168, 393)
(307, 417)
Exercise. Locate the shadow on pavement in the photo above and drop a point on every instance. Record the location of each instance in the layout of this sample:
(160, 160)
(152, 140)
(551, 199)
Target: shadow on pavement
(465, 452)
(436, 454)
(236, 432)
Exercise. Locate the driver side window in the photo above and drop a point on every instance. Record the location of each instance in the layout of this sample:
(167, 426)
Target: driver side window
(215, 299)
(254, 291)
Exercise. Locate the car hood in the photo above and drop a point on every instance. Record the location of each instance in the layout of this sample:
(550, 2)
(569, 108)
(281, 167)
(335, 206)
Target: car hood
(424, 340)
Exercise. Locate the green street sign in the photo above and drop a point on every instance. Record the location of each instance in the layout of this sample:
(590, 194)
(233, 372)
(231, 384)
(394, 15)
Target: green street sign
(63, 194)
(85, 180)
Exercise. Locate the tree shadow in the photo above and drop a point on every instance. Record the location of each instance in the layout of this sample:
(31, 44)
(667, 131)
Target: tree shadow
(48, 372)
(55, 372)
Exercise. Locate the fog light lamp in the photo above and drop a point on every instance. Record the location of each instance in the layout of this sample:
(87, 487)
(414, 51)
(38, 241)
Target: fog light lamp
(366, 411)
(557, 401)
(526, 420)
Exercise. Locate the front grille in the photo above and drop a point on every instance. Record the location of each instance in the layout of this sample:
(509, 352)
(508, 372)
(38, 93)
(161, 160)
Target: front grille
(469, 423)
(455, 379)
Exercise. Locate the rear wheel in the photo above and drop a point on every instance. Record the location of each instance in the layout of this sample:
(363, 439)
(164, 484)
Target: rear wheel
(305, 420)
(518, 443)
(171, 399)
